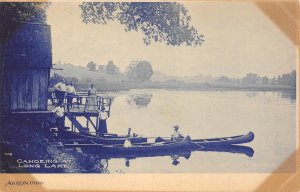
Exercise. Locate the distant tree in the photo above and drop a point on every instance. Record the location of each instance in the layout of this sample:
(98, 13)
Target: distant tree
(293, 78)
(251, 78)
(139, 71)
(287, 79)
(101, 68)
(91, 65)
(111, 68)
(223, 79)
(273, 81)
(265, 80)
(159, 21)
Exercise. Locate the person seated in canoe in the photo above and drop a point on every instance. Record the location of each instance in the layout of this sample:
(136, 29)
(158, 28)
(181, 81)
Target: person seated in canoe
(102, 127)
(176, 133)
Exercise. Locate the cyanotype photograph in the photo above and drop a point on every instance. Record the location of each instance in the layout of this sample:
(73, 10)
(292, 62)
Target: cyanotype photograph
(145, 87)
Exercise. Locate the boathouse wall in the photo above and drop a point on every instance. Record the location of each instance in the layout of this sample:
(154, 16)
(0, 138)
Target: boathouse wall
(27, 63)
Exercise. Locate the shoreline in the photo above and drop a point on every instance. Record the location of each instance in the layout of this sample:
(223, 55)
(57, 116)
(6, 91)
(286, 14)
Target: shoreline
(267, 89)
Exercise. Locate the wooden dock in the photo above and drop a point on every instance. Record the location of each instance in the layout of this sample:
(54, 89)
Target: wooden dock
(79, 109)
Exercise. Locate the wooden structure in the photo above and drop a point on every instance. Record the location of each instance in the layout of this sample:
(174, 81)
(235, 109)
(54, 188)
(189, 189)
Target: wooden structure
(26, 67)
(89, 118)
(25, 63)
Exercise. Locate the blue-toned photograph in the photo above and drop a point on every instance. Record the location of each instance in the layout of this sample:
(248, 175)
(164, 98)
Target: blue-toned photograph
(145, 87)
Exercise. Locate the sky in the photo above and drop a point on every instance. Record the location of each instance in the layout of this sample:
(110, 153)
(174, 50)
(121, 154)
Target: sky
(239, 39)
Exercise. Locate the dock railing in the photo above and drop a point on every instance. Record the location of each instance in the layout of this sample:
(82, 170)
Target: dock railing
(81, 105)
(80, 102)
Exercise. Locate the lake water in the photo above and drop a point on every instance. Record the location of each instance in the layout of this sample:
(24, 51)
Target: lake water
(206, 114)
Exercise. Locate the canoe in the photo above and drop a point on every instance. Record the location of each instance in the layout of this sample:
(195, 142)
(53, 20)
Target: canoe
(178, 152)
(105, 139)
(220, 141)
(238, 149)
(135, 148)
(183, 152)
(165, 148)
(223, 141)
(113, 139)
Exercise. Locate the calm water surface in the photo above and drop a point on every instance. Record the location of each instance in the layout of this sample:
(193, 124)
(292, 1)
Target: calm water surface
(205, 114)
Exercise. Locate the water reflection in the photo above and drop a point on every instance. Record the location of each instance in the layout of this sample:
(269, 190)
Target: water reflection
(288, 95)
(291, 95)
(139, 100)
(175, 159)
(175, 156)
(252, 94)
(248, 151)
(206, 114)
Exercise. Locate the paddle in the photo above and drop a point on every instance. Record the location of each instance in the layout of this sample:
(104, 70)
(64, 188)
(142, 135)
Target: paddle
(129, 130)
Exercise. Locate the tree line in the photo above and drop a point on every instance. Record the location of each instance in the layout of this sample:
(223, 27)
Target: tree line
(288, 79)
(138, 75)
(137, 70)
(108, 76)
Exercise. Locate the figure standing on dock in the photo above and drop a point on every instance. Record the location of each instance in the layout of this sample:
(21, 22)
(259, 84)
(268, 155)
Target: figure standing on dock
(102, 127)
(59, 113)
(60, 91)
(71, 93)
(91, 102)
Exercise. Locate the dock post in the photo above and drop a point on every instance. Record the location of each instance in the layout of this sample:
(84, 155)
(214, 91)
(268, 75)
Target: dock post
(97, 122)
(72, 125)
(87, 123)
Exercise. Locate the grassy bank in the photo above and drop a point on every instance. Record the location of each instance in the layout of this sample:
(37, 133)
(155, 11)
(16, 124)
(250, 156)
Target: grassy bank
(174, 85)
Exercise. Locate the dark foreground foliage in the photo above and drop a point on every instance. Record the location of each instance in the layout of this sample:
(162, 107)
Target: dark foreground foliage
(25, 140)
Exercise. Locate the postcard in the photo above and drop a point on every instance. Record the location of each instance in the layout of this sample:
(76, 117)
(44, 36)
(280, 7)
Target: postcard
(149, 96)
